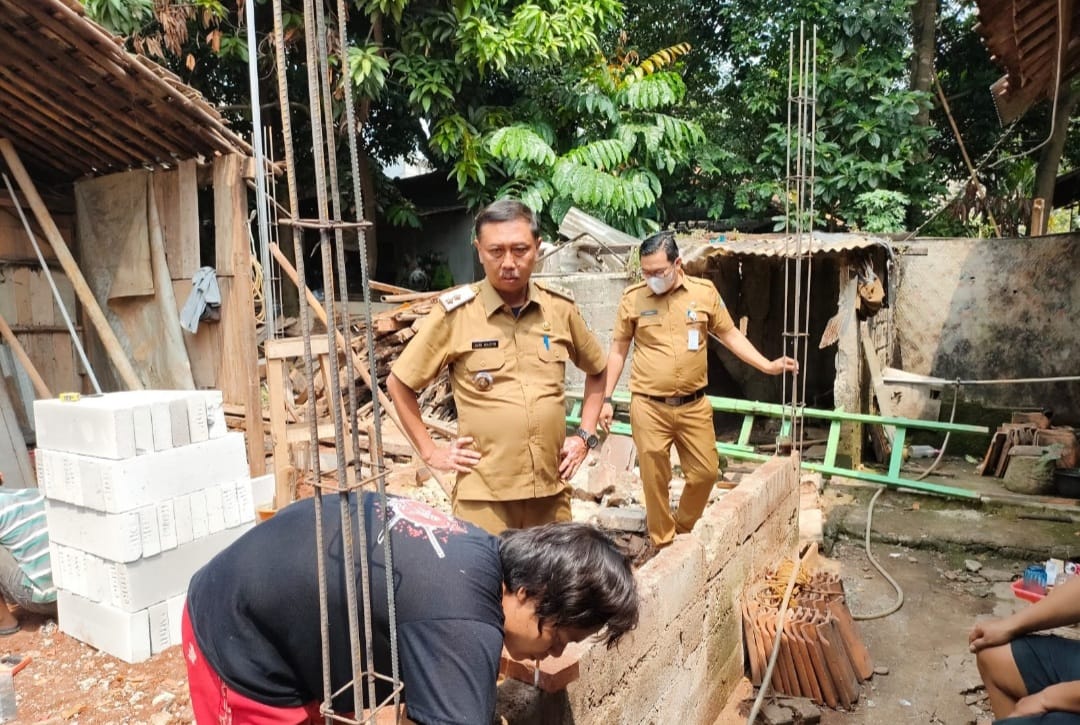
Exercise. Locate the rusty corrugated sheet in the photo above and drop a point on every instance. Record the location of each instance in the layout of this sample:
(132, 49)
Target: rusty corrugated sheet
(75, 103)
(1023, 37)
(782, 245)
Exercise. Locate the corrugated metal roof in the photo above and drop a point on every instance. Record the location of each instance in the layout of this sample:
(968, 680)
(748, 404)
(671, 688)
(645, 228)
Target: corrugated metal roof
(786, 245)
(74, 102)
(1023, 38)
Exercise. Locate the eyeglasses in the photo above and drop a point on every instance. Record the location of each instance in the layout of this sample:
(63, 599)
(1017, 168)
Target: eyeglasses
(658, 273)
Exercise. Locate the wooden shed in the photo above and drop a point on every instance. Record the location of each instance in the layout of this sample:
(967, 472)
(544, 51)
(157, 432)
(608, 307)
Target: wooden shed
(130, 182)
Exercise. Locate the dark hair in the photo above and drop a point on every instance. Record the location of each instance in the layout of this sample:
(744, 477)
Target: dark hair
(506, 210)
(575, 575)
(658, 241)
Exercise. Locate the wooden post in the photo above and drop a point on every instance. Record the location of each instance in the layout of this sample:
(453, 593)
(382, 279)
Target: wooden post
(24, 359)
(239, 377)
(1038, 218)
(373, 386)
(101, 325)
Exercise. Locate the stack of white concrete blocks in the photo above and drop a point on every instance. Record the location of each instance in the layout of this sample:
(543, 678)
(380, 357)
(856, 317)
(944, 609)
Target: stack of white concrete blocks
(142, 489)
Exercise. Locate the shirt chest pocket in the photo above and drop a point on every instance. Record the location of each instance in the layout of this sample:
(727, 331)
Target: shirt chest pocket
(550, 350)
(478, 361)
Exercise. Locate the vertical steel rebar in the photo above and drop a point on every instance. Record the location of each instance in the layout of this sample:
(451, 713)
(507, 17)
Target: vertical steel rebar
(375, 444)
(320, 188)
(335, 273)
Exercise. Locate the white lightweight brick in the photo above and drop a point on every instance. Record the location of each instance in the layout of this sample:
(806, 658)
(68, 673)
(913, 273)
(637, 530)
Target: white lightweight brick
(55, 554)
(125, 635)
(158, 614)
(215, 509)
(215, 413)
(200, 523)
(198, 425)
(118, 486)
(182, 519)
(145, 582)
(117, 537)
(176, 616)
(81, 573)
(166, 519)
(144, 430)
(148, 525)
(99, 425)
(230, 505)
(262, 490)
(245, 500)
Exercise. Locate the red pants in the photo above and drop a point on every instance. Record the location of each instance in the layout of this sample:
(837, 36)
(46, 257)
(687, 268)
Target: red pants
(215, 704)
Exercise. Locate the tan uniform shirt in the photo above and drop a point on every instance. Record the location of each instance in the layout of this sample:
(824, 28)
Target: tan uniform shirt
(670, 334)
(508, 377)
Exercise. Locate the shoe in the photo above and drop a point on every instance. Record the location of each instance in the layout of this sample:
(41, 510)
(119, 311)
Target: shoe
(10, 630)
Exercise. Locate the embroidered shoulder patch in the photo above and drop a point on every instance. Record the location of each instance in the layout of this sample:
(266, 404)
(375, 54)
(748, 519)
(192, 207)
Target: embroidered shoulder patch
(455, 298)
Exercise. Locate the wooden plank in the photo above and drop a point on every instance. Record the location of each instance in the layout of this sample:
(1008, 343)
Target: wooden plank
(24, 310)
(15, 243)
(71, 268)
(275, 385)
(293, 347)
(239, 379)
(24, 359)
(178, 202)
(204, 347)
(42, 302)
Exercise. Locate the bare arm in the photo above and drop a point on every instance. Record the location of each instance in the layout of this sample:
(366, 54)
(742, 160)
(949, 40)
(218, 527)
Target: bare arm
(615, 363)
(1059, 608)
(455, 457)
(734, 340)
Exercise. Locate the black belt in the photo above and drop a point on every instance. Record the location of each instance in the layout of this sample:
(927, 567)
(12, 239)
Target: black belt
(676, 400)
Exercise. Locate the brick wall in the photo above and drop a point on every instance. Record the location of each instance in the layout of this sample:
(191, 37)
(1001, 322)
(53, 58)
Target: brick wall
(686, 656)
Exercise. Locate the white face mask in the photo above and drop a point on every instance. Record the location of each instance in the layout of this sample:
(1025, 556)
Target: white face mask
(660, 285)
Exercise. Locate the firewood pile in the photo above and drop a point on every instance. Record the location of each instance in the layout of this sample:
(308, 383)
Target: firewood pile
(822, 656)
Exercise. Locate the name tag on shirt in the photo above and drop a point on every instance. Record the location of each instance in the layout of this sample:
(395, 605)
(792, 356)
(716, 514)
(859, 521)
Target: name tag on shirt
(693, 340)
(484, 344)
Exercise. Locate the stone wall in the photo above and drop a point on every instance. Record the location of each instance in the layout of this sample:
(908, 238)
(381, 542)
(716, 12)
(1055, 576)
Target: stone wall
(686, 656)
(992, 309)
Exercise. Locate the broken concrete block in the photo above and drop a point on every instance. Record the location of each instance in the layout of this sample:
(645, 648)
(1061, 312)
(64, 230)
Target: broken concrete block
(618, 451)
(630, 518)
(774, 714)
(805, 711)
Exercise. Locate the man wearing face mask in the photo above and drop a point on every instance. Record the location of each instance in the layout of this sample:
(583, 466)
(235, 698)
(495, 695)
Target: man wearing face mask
(668, 317)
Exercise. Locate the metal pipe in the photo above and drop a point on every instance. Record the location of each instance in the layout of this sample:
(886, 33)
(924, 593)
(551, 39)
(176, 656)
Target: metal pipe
(262, 210)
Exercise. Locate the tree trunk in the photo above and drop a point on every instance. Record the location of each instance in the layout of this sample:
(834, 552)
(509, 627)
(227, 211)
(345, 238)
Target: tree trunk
(924, 41)
(1050, 158)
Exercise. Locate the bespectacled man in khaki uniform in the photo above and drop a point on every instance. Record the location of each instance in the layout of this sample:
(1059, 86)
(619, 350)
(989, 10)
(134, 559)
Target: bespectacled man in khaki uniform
(506, 341)
(668, 317)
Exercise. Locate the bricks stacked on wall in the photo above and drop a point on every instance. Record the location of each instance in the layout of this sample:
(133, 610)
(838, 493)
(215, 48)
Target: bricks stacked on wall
(142, 489)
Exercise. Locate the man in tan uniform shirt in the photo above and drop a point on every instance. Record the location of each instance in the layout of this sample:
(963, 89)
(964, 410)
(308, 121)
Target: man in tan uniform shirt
(506, 341)
(669, 317)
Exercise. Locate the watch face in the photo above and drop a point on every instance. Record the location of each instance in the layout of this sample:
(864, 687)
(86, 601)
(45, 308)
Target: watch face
(592, 441)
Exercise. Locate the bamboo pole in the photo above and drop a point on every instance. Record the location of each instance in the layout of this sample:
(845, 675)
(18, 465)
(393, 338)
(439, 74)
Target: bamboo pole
(317, 308)
(24, 359)
(71, 268)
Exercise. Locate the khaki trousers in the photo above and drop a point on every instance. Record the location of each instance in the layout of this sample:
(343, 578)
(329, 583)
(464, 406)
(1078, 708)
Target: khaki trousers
(497, 516)
(656, 427)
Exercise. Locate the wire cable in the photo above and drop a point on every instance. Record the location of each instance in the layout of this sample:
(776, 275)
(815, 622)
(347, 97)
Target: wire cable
(767, 677)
